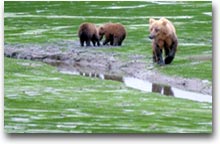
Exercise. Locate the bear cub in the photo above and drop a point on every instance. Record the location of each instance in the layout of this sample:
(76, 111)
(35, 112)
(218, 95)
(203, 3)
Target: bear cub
(164, 38)
(88, 32)
(114, 33)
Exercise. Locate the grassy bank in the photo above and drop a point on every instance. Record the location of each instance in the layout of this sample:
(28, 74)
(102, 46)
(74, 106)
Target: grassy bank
(40, 22)
(55, 102)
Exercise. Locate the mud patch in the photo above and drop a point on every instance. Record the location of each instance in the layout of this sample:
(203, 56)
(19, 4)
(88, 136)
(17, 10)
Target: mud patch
(88, 60)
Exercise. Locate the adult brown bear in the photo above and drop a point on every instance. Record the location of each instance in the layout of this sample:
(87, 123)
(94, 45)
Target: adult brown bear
(163, 35)
(88, 32)
(114, 33)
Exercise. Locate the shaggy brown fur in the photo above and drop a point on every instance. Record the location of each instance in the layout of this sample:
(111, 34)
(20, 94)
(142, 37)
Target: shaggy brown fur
(88, 32)
(163, 35)
(114, 33)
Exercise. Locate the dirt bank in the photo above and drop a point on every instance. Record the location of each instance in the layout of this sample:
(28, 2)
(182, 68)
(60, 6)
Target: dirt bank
(66, 55)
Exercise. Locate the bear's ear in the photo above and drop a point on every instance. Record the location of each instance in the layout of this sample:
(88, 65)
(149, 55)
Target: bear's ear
(151, 20)
(164, 20)
(101, 28)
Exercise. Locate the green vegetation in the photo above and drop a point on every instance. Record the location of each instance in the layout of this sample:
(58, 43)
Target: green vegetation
(39, 22)
(39, 99)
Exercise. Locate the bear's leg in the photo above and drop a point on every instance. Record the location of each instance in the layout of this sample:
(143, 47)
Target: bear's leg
(159, 57)
(121, 40)
(111, 42)
(88, 43)
(98, 43)
(116, 41)
(97, 40)
(108, 38)
(93, 42)
(154, 57)
(106, 41)
(81, 42)
(169, 58)
(111, 37)
(119, 43)
(167, 51)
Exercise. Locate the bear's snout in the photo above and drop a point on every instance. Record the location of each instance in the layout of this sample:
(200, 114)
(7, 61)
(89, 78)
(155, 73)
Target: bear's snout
(151, 37)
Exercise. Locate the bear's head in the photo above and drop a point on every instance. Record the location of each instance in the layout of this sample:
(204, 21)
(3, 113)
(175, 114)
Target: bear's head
(101, 32)
(158, 28)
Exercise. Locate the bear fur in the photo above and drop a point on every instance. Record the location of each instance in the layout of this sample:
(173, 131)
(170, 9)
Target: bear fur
(163, 35)
(88, 32)
(114, 33)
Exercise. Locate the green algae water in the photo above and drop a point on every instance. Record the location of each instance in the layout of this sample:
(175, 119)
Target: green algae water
(39, 99)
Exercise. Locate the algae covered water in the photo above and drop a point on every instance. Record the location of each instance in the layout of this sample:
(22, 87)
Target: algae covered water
(40, 99)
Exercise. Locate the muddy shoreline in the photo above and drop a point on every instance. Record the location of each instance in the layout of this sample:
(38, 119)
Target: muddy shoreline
(69, 56)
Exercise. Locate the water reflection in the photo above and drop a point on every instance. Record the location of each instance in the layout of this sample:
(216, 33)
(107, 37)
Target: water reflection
(147, 86)
(165, 90)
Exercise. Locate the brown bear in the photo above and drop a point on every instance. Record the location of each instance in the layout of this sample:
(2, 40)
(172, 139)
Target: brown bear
(114, 33)
(163, 35)
(88, 32)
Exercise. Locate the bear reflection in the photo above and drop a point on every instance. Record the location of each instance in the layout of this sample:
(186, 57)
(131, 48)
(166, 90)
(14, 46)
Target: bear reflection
(165, 90)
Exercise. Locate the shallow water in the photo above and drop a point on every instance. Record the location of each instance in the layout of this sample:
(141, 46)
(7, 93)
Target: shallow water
(147, 86)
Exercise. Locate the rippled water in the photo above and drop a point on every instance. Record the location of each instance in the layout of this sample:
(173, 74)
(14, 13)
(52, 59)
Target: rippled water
(38, 101)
